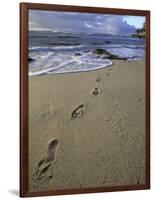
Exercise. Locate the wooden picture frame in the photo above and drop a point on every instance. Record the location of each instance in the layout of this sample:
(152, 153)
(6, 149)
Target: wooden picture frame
(24, 99)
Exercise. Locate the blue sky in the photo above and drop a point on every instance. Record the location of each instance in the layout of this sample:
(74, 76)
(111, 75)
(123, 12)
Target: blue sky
(84, 22)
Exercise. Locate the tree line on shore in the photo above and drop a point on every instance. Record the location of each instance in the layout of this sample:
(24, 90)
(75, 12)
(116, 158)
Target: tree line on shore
(140, 32)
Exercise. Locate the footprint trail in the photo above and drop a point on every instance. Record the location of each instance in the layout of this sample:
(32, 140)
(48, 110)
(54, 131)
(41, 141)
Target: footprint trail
(47, 161)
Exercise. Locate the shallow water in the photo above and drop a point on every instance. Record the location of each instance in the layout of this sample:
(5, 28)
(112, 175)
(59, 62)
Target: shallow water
(62, 52)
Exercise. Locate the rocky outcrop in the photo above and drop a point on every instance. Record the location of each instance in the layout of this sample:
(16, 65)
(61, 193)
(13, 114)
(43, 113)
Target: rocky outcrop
(30, 59)
(139, 35)
(140, 32)
(105, 54)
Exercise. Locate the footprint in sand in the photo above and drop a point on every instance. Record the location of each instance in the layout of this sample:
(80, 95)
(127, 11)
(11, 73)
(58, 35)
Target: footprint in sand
(96, 91)
(98, 79)
(47, 161)
(109, 69)
(139, 99)
(78, 112)
(49, 110)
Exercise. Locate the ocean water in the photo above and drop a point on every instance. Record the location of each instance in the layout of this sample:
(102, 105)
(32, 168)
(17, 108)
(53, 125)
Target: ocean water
(54, 52)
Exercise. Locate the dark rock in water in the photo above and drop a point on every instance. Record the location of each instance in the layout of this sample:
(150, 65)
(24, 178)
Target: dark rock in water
(77, 54)
(138, 35)
(30, 59)
(101, 52)
(108, 42)
(114, 57)
(105, 54)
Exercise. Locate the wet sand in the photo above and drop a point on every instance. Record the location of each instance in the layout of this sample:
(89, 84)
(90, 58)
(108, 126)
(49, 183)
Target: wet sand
(87, 129)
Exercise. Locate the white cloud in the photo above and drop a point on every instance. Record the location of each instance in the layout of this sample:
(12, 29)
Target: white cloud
(79, 22)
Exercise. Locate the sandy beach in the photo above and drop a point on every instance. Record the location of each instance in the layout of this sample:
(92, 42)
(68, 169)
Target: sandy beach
(87, 129)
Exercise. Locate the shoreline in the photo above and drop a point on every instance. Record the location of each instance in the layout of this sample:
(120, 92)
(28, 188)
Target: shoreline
(93, 123)
(91, 70)
(71, 72)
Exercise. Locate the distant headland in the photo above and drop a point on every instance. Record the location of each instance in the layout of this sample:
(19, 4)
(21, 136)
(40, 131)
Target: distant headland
(140, 32)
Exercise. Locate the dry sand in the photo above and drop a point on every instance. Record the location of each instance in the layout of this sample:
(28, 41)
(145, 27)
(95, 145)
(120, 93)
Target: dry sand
(87, 129)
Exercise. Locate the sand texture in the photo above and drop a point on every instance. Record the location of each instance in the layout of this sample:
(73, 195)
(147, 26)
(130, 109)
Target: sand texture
(87, 129)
